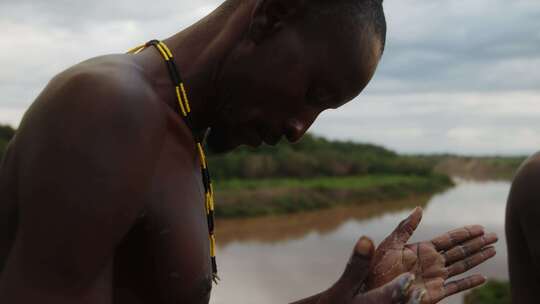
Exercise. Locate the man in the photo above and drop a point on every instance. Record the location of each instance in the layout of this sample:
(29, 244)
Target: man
(102, 199)
(522, 213)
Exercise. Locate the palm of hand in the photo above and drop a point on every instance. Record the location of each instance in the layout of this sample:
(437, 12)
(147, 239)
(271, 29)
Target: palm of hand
(432, 262)
(421, 259)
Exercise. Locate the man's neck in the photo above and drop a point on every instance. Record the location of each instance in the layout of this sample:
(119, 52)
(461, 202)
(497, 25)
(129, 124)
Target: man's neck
(199, 52)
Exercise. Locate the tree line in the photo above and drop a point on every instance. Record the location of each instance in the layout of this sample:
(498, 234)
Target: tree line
(315, 156)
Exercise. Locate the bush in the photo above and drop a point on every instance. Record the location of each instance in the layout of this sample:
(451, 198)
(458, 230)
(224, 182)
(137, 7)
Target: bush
(494, 292)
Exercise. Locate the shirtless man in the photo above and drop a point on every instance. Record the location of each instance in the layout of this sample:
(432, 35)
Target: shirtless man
(522, 213)
(101, 193)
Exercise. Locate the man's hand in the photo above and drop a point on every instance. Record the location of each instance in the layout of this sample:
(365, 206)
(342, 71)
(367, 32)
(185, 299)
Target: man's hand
(433, 262)
(349, 288)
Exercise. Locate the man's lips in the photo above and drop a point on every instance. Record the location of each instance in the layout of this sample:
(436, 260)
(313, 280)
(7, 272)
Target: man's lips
(274, 140)
(261, 135)
(254, 139)
(269, 139)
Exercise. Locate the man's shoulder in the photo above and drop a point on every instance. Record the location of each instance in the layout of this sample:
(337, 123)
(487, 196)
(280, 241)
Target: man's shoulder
(530, 167)
(526, 180)
(123, 86)
(108, 89)
(105, 78)
(96, 102)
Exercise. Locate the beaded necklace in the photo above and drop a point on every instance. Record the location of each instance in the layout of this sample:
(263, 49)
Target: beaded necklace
(185, 110)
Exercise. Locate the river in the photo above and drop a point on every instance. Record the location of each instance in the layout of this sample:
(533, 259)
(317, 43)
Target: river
(281, 259)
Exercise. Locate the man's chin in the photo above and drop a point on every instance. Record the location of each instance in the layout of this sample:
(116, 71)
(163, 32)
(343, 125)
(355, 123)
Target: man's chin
(218, 144)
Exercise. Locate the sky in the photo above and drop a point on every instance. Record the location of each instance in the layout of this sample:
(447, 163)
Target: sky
(457, 76)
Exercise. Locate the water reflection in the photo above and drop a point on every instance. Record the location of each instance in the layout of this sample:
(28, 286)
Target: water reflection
(287, 228)
(281, 259)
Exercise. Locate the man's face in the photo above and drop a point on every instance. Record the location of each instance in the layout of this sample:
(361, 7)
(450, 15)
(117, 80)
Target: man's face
(279, 86)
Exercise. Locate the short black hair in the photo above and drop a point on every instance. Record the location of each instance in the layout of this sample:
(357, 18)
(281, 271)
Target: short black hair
(362, 13)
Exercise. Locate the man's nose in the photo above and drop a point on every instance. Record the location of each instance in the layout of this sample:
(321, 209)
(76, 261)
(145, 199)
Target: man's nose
(297, 127)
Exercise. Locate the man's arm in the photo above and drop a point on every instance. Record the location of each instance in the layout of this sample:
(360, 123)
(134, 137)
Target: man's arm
(350, 287)
(85, 155)
(522, 230)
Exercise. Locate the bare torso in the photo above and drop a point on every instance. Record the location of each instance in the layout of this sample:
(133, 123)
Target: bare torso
(166, 252)
(162, 254)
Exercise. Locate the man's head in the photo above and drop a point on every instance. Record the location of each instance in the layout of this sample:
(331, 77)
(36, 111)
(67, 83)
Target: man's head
(296, 59)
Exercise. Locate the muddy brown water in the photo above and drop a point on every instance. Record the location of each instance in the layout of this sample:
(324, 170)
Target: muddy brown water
(282, 259)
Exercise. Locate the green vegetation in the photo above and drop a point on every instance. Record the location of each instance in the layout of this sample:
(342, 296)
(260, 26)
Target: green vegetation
(6, 133)
(356, 182)
(494, 292)
(243, 198)
(315, 157)
(316, 173)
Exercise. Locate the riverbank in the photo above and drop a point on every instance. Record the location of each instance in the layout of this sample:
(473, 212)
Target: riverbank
(248, 198)
(290, 227)
(479, 168)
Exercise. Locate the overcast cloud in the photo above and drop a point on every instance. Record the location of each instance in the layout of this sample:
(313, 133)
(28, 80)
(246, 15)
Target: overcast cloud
(457, 76)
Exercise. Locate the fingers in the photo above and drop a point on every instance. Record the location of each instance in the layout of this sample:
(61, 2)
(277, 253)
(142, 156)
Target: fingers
(395, 292)
(463, 284)
(468, 248)
(406, 228)
(357, 269)
(471, 262)
(456, 237)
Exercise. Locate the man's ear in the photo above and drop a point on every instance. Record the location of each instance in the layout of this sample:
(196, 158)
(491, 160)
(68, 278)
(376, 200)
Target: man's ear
(269, 15)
